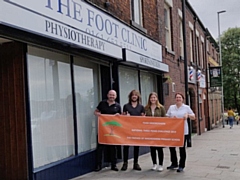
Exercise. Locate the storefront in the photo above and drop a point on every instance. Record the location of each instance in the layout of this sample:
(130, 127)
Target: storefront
(62, 59)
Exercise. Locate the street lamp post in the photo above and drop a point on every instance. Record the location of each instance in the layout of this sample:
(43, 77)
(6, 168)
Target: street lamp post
(220, 60)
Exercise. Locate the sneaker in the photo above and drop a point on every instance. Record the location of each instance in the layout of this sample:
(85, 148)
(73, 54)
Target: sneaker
(180, 169)
(154, 168)
(137, 167)
(160, 168)
(172, 167)
(124, 167)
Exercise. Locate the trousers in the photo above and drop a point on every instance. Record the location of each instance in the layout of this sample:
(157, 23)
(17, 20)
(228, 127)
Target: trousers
(183, 155)
(112, 156)
(154, 151)
(135, 153)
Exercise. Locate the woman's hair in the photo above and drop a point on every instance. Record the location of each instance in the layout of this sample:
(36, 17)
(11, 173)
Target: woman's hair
(229, 108)
(179, 94)
(131, 94)
(149, 102)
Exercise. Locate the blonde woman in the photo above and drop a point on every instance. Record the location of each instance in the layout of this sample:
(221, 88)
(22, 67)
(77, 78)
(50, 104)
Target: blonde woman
(154, 108)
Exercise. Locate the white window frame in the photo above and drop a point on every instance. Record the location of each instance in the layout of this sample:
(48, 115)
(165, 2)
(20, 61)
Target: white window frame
(197, 51)
(191, 40)
(191, 45)
(181, 33)
(137, 15)
(167, 23)
(202, 51)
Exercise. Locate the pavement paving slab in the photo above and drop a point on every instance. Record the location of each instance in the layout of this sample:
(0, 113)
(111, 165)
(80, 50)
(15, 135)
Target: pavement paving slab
(214, 155)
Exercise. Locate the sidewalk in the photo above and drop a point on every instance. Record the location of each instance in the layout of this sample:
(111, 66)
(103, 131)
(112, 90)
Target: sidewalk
(214, 155)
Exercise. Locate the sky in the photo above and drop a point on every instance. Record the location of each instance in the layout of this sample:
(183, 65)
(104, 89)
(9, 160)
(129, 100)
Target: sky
(207, 13)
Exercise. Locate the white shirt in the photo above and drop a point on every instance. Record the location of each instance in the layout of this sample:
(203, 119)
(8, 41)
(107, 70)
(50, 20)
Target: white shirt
(174, 111)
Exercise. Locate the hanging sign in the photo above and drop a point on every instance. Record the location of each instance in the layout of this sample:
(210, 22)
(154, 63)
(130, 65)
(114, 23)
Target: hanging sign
(215, 75)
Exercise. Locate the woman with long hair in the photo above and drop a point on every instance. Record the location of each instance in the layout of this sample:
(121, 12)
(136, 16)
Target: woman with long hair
(155, 109)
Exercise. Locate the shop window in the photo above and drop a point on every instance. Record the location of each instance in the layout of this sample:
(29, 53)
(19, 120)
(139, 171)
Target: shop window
(137, 12)
(51, 106)
(87, 98)
(128, 80)
(148, 85)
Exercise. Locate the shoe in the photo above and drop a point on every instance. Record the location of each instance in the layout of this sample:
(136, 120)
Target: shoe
(160, 168)
(124, 167)
(154, 168)
(172, 167)
(114, 168)
(98, 168)
(137, 167)
(180, 169)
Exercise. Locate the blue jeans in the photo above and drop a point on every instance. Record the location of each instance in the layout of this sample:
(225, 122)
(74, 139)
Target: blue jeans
(230, 119)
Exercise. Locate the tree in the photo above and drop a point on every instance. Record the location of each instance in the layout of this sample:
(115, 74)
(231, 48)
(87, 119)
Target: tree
(112, 124)
(230, 43)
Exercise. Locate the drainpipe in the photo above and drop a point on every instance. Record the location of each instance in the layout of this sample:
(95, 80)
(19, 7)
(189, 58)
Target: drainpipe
(197, 83)
(206, 78)
(189, 141)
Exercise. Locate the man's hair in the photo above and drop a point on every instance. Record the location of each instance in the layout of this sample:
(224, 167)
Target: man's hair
(137, 93)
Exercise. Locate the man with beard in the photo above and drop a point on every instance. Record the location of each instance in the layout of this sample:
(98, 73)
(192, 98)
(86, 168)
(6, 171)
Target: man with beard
(109, 106)
(133, 108)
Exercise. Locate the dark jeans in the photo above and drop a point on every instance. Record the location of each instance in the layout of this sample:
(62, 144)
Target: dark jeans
(112, 155)
(183, 155)
(230, 119)
(154, 150)
(125, 153)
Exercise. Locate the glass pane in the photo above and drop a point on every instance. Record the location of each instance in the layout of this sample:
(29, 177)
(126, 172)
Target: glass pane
(50, 106)
(86, 89)
(128, 80)
(166, 18)
(137, 11)
(148, 85)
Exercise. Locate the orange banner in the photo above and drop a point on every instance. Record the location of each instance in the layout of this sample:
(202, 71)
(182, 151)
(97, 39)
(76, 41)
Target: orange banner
(140, 131)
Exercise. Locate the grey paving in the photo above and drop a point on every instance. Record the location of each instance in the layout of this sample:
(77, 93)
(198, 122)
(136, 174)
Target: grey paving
(215, 155)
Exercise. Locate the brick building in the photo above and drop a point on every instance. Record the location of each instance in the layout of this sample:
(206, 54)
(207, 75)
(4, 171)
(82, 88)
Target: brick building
(60, 58)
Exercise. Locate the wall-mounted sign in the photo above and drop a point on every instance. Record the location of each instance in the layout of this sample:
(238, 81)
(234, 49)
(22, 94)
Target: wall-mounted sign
(77, 23)
(202, 81)
(215, 75)
(144, 60)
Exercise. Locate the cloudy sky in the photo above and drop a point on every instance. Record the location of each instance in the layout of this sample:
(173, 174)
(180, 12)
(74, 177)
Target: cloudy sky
(207, 12)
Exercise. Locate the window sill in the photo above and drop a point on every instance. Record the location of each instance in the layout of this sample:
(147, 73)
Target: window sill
(139, 27)
(181, 58)
(193, 64)
(169, 51)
